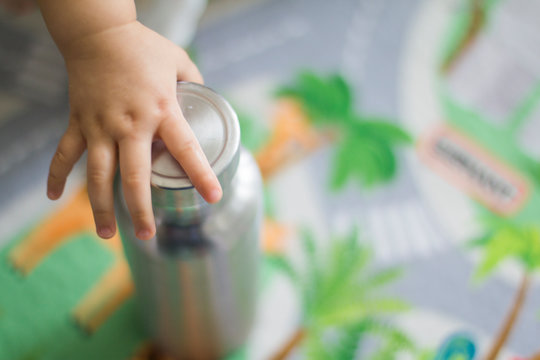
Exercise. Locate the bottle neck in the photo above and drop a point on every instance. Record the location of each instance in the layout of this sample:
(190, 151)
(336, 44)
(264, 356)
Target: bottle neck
(178, 207)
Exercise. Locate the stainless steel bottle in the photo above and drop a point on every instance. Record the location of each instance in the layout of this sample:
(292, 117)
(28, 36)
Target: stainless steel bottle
(196, 279)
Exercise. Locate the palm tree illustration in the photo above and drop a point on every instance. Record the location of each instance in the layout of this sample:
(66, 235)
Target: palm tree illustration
(343, 303)
(517, 237)
(315, 111)
(508, 240)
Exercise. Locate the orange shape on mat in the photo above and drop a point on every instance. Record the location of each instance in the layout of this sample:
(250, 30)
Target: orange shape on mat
(114, 287)
(73, 218)
(274, 236)
(293, 137)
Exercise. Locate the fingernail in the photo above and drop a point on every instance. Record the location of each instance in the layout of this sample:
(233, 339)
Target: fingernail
(215, 195)
(144, 234)
(105, 232)
(53, 195)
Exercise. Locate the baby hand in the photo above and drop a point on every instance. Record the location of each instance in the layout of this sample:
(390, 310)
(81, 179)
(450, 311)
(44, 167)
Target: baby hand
(122, 91)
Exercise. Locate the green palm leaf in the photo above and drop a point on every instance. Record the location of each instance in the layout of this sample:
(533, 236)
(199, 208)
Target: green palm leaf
(336, 287)
(282, 264)
(498, 247)
(366, 145)
(367, 152)
(315, 347)
(348, 312)
(325, 100)
(348, 345)
(345, 260)
(394, 341)
(381, 129)
(369, 160)
(342, 297)
(481, 240)
(312, 274)
(381, 278)
(508, 240)
(383, 158)
(531, 256)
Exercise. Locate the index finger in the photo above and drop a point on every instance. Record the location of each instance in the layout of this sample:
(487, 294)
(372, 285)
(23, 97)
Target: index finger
(184, 147)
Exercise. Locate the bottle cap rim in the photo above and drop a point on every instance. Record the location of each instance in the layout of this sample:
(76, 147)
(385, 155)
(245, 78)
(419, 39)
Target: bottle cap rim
(215, 125)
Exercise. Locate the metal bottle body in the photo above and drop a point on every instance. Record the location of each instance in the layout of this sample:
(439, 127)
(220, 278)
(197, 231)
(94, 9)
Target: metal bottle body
(196, 280)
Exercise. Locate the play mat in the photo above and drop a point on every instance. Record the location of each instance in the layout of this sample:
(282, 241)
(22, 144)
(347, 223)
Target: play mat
(399, 145)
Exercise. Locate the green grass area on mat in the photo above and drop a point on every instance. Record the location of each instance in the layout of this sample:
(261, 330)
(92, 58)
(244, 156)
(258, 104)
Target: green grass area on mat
(36, 321)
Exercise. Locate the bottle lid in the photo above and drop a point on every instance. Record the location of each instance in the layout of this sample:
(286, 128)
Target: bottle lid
(215, 126)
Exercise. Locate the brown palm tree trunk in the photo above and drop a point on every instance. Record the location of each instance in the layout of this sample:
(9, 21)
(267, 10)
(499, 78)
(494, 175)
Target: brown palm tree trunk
(477, 22)
(289, 346)
(510, 321)
(535, 356)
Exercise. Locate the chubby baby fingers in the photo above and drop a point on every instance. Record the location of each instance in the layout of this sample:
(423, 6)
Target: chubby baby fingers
(101, 166)
(69, 150)
(135, 164)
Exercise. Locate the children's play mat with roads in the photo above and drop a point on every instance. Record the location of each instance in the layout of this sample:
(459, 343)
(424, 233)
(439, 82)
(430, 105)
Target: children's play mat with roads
(399, 143)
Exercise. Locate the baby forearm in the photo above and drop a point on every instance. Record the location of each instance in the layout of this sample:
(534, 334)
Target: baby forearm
(72, 20)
